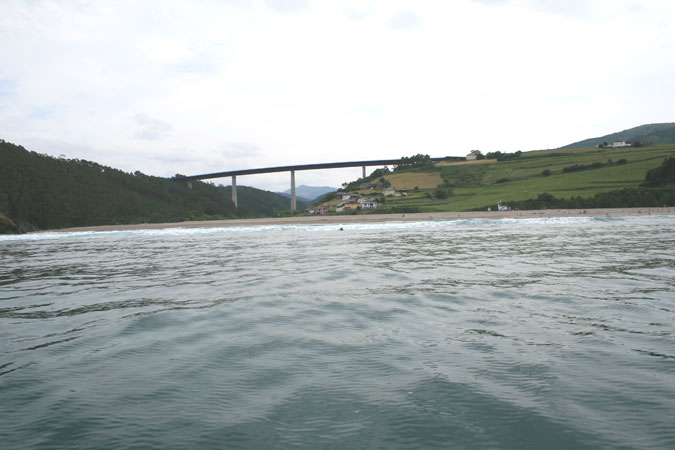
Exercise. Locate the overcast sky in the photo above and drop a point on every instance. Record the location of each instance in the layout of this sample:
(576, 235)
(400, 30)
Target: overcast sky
(178, 86)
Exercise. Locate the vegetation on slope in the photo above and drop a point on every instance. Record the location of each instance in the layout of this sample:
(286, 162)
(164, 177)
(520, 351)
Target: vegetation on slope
(654, 133)
(584, 178)
(41, 192)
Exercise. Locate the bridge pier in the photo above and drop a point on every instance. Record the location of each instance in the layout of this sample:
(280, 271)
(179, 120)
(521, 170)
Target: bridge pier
(293, 206)
(234, 191)
(337, 165)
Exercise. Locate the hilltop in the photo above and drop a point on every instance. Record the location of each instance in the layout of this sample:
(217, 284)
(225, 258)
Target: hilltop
(654, 133)
(41, 192)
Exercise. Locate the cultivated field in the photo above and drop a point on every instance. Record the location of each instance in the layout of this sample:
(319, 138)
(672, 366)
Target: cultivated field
(486, 182)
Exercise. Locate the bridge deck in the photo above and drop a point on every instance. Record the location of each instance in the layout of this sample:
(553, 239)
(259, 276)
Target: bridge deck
(337, 165)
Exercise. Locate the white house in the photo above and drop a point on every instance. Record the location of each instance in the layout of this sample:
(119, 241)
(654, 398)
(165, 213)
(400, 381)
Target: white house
(367, 203)
(620, 144)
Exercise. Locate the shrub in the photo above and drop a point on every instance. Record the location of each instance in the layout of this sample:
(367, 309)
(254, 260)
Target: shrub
(441, 193)
(546, 172)
(579, 167)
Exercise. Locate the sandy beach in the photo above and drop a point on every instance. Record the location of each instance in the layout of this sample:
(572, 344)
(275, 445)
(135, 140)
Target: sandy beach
(375, 218)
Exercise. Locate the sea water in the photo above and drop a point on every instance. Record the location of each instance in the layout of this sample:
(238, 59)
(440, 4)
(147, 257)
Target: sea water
(509, 334)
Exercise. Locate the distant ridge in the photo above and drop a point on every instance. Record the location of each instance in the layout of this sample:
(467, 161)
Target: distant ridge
(656, 133)
(309, 193)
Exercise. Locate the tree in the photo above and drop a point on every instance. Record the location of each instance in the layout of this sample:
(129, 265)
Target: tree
(477, 153)
(442, 193)
(663, 174)
(415, 162)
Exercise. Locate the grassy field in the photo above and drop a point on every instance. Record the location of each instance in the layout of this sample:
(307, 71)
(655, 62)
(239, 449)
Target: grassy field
(483, 183)
(410, 180)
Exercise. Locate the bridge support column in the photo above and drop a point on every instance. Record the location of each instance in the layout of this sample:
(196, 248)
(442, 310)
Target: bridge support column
(364, 172)
(234, 191)
(293, 206)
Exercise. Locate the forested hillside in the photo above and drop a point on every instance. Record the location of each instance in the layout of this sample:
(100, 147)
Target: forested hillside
(41, 192)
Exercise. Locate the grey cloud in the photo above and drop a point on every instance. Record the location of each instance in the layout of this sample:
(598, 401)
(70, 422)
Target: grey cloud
(403, 20)
(151, 129)
(288, 6)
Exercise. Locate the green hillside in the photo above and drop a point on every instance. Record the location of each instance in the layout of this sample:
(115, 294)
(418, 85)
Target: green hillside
(41, 192)
(590, 177)
(655, 133)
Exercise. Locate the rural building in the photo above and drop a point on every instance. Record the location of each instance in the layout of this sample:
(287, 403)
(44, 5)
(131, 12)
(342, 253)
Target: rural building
(367, 203)
(620, 144)
(389, 191)
(347, 206)
(473, 155)
(347, 196)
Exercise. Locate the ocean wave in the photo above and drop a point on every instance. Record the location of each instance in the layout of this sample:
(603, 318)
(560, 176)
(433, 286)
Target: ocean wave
(393, 225)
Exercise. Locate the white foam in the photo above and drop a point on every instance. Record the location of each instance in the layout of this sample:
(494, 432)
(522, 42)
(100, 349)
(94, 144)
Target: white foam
(346, 227)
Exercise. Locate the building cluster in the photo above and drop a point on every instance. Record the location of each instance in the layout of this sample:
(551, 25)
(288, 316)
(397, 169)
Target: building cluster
(349, 202)
(353, 202)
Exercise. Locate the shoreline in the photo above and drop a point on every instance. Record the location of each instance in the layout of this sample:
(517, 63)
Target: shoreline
(378, 218)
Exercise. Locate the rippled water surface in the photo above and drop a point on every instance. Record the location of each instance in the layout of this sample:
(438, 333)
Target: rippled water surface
(547, 333)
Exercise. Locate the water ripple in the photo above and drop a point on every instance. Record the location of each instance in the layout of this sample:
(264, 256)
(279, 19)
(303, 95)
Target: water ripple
(465, 334)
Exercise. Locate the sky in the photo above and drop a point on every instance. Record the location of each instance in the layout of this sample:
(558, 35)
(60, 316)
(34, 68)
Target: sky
(200, 86)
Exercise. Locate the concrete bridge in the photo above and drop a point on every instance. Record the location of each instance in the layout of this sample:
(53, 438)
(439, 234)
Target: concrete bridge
(292, 169)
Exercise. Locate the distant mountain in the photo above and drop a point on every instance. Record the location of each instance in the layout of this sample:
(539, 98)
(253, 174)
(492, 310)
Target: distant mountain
(41, 192)
(309, 193)
(656, 133)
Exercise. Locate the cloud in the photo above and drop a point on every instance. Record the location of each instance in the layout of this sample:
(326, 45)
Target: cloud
(241, 150)
(151, 129)
(41, 113)
(578, 8)
(492, 2)
(288, 6)
(7, 87)
(403, 20)
(195, 87)
(358, 12)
